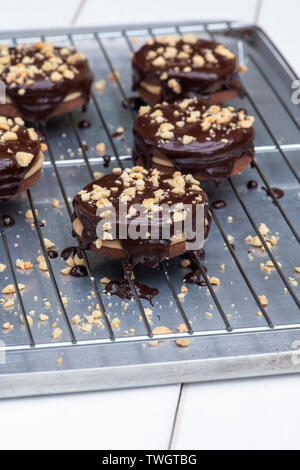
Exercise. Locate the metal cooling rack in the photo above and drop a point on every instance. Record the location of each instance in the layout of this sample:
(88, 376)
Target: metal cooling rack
(227, 337)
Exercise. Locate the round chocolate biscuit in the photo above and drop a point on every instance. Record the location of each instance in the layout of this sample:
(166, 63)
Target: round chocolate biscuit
(194, 136)
(174, 67)
(21, 157)
(142, 215)
(43, 80)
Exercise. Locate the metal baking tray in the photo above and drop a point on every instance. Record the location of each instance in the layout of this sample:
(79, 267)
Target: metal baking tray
(232, 340)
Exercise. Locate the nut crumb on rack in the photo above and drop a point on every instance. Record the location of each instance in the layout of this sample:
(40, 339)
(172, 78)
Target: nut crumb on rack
(57, 333)
(10, 289)
(263, 300)
(43, 317)
(2, 267)
(116, 323)
(7, 326)
(114, 76)
(159, 330)
(9, 303)
(100, 84)
(55, 203)
(20, 264)
(182, 342)
(29, 320)
(101, 147)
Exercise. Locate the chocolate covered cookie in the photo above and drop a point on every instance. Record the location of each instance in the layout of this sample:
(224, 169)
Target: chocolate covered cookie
(174, 67)
(43, 80)
(142, 216)
(196, 137)
(21, 157)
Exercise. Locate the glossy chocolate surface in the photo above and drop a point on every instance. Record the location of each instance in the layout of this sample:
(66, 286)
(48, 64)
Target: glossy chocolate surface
(145, 251)
(212, 151)
(31, 86)
(11, 173)
(172, 57)
(123, 290)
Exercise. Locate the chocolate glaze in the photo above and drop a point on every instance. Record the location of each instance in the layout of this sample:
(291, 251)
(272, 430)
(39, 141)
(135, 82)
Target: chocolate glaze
(84, 124)
(212, 159)
(252, 184)
(42, 97)
(123, 290)
(200, 81)
(106, 160)
(71, 251)
(219, 204)
(78, 271)
(52, 254)
(133, 102)
(8, 220)
(149, 252)
(11, 173)
(278, 193)
(195, 276)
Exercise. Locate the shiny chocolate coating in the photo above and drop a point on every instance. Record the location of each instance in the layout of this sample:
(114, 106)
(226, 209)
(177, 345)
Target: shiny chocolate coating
(212, 151)
(172, 58)
(32, 84)
(11, 173)
(149, 252)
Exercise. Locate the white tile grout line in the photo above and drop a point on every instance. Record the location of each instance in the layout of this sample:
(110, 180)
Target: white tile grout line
(78, 11)
(177, 416)
(257, 11)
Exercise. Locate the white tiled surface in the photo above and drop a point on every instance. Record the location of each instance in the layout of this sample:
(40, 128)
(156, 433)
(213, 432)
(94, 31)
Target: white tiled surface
(240, 414)
(133, 11)
(131, 419)
(262, 413)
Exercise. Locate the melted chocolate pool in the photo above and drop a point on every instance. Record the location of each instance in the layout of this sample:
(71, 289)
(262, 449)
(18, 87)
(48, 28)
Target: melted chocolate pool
(52, 254)
(219, 204)
(78, 271)
(252, 184)
(84, 124)
(134, 103)
(8, 220)
(278, 193)
(122, 289)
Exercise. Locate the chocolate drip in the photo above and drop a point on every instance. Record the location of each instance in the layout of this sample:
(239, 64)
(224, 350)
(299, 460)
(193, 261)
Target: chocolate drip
(252, 184)
(42, 95)
(123, 290)
(71, 251)
(219, 204)
(52, 254)
(106, 160)
(147, 252)
(78, 271)
(133, 102)
(8, 220)
(84, 124)
(278, 193)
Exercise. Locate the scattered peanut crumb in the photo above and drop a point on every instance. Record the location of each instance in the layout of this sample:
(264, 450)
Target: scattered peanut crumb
(100, 85)
(183, 342)
(101, 147)
(263, 300)
(57, 333)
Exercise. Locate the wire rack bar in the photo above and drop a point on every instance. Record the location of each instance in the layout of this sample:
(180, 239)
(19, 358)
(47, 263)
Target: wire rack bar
(17, 289)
